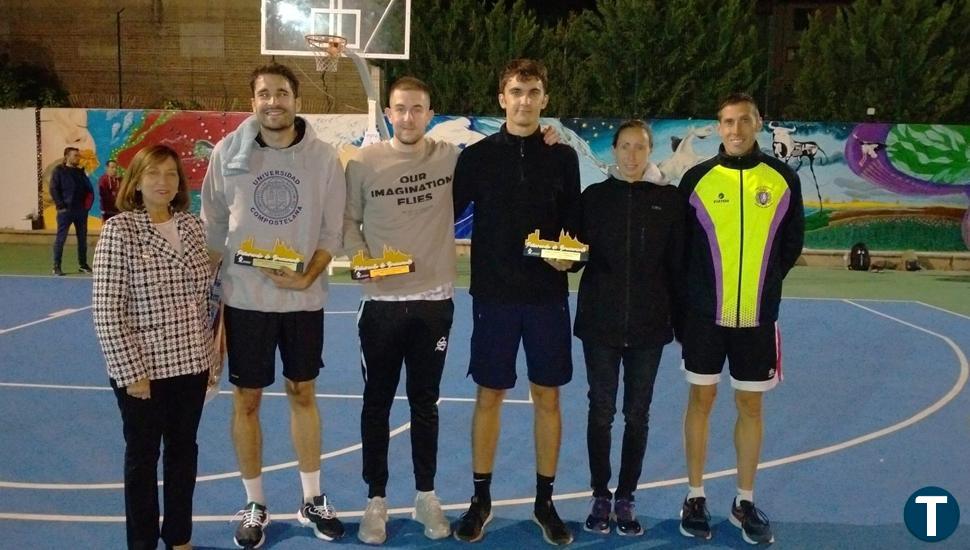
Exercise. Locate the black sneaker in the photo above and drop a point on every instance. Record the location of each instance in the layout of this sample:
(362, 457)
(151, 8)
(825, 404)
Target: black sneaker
(553, 529)
(753, 523)
(598, 520)
(85, 268)
(320, 515)
(57, 271)
(471, 524)
(253, 520)
(695, 521)
(626, 518)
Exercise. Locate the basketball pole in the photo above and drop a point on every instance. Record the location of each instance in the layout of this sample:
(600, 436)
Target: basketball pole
(371, 93)
(373, 99)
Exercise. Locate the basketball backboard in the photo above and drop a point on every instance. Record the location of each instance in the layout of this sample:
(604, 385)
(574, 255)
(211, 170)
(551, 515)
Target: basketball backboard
(374, 29)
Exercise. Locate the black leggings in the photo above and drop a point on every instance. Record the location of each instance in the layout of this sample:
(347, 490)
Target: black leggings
(603, 372)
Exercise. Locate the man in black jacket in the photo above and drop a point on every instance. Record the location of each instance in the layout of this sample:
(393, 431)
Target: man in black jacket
(518, 185)
(72, 194)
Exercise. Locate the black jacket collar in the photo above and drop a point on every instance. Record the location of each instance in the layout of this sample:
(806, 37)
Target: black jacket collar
(639, 184)
(533, 138)
(744, 162)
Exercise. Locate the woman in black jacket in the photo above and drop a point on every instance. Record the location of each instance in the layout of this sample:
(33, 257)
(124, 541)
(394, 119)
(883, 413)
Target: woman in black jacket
(633, 223)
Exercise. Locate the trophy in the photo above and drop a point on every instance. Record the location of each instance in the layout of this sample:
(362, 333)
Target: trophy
(280, 257)
(566, 248)
(391, 262)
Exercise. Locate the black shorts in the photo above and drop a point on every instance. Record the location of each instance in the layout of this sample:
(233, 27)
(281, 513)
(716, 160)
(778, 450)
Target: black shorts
(545, 335)
(753, 354)
(252, 338)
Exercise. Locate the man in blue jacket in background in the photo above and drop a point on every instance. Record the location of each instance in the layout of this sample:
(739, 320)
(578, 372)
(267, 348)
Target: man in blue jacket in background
(72, 194)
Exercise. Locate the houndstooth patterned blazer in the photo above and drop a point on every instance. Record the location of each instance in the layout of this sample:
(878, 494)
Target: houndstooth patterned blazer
(150, 303)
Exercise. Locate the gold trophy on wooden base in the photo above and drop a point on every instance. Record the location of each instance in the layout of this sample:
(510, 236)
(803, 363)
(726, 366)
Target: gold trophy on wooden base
(391, 262)
(566, 248)
(281, 256)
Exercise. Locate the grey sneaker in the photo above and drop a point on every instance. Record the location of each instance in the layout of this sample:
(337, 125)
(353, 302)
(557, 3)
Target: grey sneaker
(373, 526)
(427, 511)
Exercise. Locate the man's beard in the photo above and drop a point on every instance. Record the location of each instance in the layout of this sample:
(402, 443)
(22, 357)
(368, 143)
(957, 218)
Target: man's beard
(283, 124)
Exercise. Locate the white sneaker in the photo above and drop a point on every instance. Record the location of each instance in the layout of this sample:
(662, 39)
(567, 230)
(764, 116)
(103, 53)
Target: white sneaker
(373, 527)
(427, 510)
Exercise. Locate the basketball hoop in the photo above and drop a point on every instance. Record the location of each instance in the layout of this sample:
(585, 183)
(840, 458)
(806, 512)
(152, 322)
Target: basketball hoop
(327, 49)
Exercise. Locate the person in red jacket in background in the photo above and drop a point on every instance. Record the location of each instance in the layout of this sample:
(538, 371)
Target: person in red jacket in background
(108, 185)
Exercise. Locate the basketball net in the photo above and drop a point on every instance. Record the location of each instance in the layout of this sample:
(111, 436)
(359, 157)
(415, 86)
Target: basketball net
(327, 50)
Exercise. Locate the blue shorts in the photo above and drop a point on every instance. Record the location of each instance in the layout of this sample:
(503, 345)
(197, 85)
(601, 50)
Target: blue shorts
(545, 335)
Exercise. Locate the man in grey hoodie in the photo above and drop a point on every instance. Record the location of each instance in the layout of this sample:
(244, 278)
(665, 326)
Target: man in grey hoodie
(272, 186)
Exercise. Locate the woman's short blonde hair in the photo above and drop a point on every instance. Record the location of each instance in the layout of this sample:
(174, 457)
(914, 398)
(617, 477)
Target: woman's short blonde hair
(129, 197)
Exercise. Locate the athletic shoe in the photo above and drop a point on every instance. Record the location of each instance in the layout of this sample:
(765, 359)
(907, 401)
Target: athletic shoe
(626, 518)
(85, 268)
(253, 519)
(471, 524)
(598, 520)
(695, 521)
(427, 511)
(373, 527)
(553, 529)
(57, 271)
(320, 515)
(753, 523)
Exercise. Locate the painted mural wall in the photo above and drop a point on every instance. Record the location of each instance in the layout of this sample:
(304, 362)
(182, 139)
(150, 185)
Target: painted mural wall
(893, 186)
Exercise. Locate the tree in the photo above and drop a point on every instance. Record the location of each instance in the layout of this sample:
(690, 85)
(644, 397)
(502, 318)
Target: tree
(459, 46)
(627, 61)
(565, 50)
(906, 58)
(29, 85)
(626, 58)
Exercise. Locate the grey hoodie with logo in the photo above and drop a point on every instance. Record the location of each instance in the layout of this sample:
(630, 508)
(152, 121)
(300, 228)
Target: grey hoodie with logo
(294, 196)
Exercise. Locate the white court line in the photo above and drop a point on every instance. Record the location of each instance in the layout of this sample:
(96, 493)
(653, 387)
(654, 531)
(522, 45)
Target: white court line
(931, 306)
(50, 317)
(229, 392)
(921, 415)
(821, 299)
(211, 477)
(57, 277)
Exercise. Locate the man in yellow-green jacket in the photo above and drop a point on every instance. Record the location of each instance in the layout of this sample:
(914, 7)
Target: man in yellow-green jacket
(745, 229)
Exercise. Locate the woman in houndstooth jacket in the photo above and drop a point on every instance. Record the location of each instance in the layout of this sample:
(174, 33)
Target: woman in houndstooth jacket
(151, 284)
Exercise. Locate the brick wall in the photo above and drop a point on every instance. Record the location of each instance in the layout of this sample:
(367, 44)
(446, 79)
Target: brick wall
(184, 53)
